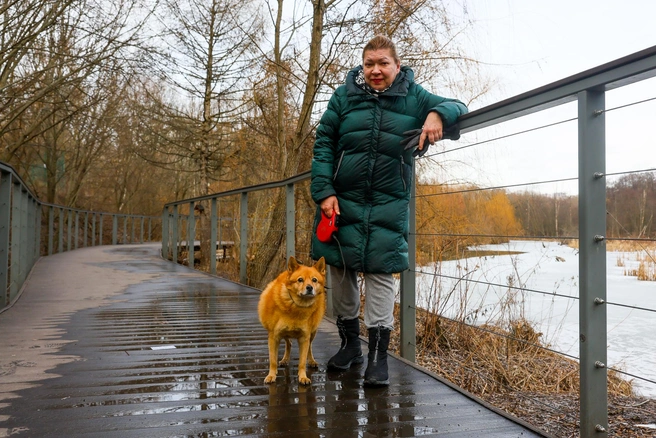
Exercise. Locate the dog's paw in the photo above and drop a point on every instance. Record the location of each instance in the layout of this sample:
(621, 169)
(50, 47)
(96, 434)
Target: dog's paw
(283, 363)
(313, 364)
(304, 380)
(270, 378)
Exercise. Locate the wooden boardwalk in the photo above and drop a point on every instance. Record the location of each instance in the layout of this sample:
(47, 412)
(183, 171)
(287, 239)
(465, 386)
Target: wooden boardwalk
(116, 342)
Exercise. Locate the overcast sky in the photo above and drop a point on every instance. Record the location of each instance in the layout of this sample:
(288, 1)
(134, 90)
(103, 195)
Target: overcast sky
(535, 42)
(531, 43)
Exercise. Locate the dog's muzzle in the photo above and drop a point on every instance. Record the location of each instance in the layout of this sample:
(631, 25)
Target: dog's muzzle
(309, 291)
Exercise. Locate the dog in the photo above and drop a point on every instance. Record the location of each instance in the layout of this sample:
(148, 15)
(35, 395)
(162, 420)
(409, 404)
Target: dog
(291, 307)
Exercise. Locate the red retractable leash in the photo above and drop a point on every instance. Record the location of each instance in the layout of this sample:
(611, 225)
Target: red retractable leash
(326, 233)
(327, 227)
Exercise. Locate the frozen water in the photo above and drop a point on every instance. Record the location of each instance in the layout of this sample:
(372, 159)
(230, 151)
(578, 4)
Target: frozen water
(477, 289)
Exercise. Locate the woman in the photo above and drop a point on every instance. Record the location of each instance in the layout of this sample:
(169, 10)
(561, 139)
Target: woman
(362, 173)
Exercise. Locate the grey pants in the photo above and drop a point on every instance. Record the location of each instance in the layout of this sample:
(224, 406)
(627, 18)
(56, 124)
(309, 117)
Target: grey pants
(379, 297)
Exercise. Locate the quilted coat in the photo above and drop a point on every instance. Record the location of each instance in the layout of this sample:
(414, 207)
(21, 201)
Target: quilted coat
(358, 158)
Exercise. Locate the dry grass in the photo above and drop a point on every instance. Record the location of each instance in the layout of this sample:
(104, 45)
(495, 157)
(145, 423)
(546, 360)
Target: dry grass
(646, 270)
(645, 255)
(492, 360)
(512, 369)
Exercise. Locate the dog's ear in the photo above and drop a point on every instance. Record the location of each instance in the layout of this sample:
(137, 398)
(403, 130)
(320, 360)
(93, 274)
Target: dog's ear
(321, 266)
(293, 264)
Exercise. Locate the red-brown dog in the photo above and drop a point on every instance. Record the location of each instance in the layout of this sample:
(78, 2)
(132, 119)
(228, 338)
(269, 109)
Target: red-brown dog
(291, 307)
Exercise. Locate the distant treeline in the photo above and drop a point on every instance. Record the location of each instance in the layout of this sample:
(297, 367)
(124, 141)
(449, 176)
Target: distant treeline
(630, 208)
(451, 218)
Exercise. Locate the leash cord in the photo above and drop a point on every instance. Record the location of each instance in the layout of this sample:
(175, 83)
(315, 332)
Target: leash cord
(343, 262)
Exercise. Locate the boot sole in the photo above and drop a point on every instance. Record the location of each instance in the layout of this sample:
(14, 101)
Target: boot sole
(376, 383)
(358, 360)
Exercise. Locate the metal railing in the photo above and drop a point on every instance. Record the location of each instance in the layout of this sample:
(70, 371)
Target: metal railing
(240, 207)
(30, 229)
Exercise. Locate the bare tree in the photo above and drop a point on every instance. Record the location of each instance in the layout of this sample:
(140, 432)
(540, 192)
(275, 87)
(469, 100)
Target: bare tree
(209, 50)
(62, 63)
(311, 54)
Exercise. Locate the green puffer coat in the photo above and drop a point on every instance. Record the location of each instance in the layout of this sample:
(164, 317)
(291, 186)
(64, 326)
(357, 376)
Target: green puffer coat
(358, 158)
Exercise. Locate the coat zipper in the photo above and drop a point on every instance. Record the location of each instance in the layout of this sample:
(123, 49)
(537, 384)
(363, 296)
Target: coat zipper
(339, 164)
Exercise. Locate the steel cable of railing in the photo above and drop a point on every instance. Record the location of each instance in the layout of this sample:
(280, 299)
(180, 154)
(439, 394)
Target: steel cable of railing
(644, 379)
(537, 128)
(631, 239)
(480, 189)
(626, 231)
(637, 102)
(520, 289)
(632, 307)
(628, 172)
(496, 236)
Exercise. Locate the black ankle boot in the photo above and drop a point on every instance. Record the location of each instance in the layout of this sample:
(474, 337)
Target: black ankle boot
(350, 352)
(376, 373)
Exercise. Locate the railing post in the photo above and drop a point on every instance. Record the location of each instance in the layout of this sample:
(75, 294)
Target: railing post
(36, 205)
(592, 264)
(141, 238)
(191, 235)
(174, 232)
(408, 339)
(86, 229)
(291, 221)
(125, 229)
(77, 229)
(51, 229)
(213, 236)
(243, 238)
(114, 229)
(330, 311)
(60, 246)
(5, 221)
(24, 241)
(93, 230)
(15, 241)
(69, 234)
(100, 230)
(31, 236)
(165, 233)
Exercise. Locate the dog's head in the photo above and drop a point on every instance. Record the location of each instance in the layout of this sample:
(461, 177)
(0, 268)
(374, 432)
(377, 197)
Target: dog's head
(306, 282)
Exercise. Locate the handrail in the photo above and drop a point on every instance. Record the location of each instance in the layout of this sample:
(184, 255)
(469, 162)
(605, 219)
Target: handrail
(21, 229)
(248, 189)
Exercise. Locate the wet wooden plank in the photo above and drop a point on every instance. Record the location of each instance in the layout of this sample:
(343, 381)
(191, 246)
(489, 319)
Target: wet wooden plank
(207, 380)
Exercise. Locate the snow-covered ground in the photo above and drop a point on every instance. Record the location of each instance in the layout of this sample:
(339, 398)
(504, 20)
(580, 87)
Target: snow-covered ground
(551, 269)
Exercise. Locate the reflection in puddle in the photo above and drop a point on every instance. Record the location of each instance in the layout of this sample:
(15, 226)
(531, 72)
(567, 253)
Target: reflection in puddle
(211, 383)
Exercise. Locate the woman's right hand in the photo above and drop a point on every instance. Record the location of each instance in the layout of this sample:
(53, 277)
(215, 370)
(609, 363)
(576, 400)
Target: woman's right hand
(330, 205)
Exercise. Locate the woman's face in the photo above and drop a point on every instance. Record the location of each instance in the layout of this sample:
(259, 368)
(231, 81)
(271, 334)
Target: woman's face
(380, 68)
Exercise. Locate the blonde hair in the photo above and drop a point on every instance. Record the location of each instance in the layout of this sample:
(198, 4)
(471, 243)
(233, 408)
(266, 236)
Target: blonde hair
(381, 42)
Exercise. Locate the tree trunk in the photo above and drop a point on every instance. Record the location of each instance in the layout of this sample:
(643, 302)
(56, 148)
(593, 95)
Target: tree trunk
(273, 246)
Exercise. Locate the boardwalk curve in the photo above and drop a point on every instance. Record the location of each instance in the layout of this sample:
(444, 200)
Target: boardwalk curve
(116, 342)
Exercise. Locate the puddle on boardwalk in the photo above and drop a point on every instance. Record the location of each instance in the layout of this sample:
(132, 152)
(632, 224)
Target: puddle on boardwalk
(187, 354)
(187, 348)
